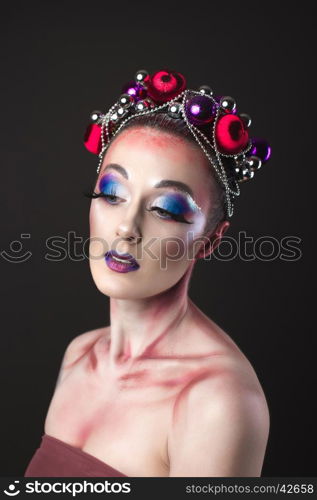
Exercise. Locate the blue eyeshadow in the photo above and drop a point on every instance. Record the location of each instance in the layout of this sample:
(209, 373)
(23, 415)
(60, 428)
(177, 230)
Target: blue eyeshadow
(174, 203)
(109, 184)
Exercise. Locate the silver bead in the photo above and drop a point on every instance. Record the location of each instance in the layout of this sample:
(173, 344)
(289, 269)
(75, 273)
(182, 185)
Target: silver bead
(253, 163)
(246, 119)
(247, 174)
(141, 75)
(141, 106)
(174, 110)
(126, 100)
(121, 111)
(205, 89)
(238, 172)
(95, 115)
(228, 103)
(243, 172)
(114, 117)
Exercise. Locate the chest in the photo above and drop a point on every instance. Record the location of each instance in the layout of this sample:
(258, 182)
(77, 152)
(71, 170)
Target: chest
(124, 425)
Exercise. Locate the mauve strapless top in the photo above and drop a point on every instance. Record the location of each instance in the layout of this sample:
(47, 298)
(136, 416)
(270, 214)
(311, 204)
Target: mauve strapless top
(54, 458)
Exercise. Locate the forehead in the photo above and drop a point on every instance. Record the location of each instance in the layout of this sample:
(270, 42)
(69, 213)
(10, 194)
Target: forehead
(154, 155)
(147, 140)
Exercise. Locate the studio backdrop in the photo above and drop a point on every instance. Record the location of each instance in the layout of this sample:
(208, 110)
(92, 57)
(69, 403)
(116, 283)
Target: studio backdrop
(60, 61)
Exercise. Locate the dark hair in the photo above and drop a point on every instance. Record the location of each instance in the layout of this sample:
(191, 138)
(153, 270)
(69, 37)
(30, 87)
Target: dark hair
(178, 127)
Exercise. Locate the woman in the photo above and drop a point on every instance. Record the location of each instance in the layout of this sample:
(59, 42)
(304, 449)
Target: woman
(162, 390)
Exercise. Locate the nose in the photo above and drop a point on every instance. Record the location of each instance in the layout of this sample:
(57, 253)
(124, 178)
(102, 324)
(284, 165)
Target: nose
(128, 230)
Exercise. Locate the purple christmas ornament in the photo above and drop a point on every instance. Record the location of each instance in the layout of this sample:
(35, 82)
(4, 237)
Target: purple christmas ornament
(200, 110)
(135, 90)
(260, 148)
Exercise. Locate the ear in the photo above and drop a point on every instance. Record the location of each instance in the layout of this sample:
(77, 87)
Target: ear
(213, 240)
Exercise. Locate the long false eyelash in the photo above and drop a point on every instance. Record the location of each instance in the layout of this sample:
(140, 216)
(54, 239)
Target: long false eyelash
(111, 197)
(93, 194)
(178, 218)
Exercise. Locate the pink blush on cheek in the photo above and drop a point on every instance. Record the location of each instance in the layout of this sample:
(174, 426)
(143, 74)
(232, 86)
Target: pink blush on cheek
(175, 249)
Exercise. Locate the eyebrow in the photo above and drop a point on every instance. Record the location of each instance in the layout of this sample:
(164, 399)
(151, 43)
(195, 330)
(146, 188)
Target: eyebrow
(178, 185)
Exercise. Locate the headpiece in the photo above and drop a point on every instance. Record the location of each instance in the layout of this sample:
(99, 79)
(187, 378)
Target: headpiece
(221, 132)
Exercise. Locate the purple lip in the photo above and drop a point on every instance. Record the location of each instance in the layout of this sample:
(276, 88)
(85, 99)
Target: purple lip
(121, 267)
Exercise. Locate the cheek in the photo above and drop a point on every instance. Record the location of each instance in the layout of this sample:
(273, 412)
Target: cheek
(184, 235)
(94, 221)
(175, 250)
(179, 249)
(91, 218)
(100, 220)
(182, 247)
(99, 232)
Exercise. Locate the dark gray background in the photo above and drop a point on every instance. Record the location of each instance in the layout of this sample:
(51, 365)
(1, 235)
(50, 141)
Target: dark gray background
(60, 61)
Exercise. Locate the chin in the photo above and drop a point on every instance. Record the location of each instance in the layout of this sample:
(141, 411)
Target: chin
(120, 286)
(118, 289)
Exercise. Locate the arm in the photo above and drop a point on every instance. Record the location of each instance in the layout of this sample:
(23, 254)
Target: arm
(219, 431)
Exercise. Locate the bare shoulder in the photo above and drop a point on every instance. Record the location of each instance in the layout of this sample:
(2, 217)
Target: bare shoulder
(82, 343)
(231, 382)
(78, 347)
(220, 422)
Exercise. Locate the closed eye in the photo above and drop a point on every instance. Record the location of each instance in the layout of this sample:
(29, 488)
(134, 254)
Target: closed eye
(110, 197)
(177, 217)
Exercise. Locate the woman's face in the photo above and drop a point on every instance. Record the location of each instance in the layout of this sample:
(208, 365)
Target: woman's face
(133, 218)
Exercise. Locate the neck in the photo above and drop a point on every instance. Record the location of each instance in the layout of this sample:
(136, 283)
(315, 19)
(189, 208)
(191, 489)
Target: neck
(139, 328)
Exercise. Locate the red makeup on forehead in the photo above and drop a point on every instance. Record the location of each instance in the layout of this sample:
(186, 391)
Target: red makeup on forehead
(176, 148)
(150, 136)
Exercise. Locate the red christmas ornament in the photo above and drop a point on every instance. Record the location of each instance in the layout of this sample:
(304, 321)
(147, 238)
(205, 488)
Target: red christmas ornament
(165, 85)
(231, 134)
(92, 138)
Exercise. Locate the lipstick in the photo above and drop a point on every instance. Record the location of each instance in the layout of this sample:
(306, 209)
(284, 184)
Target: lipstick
(122, 263)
